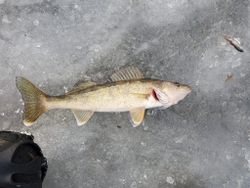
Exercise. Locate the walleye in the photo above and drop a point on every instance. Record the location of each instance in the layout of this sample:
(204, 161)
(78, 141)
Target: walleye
(127, 91)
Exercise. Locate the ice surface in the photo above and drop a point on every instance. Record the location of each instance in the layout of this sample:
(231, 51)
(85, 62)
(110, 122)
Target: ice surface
(204, 141)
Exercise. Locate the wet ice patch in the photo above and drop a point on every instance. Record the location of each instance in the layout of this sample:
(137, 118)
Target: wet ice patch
(143, 47)
(20, 66)
(36, 22)
(133, 185)
(77, 7)
(160, 11)
(66, 89)
(229, 157)
(95, 48)
(5, 19)
(23, 2)
(5, 125)
(123, 180)
(213, 69)
(247, 157)
(236, 63)
(78, 47)
(170, 180)
(180, 140)
(38, 45)
(21, 101)
(17, 111)
(145, 128)
(26, 133)
(143, 144)
(83, 148)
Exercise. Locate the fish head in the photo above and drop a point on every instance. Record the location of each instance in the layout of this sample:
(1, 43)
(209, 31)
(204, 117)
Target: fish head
(173, 92)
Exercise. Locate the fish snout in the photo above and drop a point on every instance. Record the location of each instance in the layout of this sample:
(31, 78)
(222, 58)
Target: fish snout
(186, 89)
(183, 92)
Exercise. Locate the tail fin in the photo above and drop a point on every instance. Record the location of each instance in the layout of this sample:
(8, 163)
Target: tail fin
(34, 100)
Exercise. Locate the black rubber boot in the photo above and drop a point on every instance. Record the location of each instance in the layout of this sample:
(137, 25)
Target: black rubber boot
(22, 163)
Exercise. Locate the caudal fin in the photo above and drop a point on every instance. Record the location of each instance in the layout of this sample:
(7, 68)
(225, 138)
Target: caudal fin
(34, 100)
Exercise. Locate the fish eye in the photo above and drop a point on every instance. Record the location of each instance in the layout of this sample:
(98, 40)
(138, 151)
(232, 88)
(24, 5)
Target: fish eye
(177, 84)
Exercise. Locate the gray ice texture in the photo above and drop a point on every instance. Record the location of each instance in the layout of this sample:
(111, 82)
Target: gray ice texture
(202, 142)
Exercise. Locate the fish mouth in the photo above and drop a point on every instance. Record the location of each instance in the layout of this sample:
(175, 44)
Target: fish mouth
(187, 89)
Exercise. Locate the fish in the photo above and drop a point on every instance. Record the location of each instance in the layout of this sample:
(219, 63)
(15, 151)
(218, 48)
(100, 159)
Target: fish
(234, 42)
(128, 90)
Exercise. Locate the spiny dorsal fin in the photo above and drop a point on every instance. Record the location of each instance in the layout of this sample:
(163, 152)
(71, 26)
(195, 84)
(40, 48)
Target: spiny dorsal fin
(137, 116)
(129, 73)
(81, 85)
(82, 117)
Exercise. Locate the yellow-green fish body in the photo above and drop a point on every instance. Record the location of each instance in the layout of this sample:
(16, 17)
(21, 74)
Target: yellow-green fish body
(128, 91)
(114, 97)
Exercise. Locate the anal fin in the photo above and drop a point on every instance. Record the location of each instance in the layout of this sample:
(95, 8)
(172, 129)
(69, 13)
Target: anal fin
(82, 117)
(137, 116)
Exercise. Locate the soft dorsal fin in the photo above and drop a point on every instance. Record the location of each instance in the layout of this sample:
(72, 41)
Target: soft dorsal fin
(82, 117)
(82, 85)
(137, 116)
(129, 73)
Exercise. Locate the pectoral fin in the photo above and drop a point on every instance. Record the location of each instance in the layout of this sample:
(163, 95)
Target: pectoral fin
(161, 97)
(82, 117)
(137, 116)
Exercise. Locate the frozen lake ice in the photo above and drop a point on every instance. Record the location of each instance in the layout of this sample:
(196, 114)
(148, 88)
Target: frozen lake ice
(202, 142)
